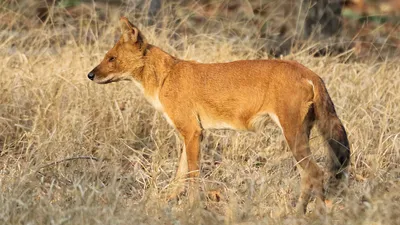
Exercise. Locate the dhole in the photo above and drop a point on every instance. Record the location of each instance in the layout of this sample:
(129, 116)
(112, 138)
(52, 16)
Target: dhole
(194, 96)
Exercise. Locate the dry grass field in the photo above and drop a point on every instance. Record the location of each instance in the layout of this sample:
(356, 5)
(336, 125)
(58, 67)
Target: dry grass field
(75, 152)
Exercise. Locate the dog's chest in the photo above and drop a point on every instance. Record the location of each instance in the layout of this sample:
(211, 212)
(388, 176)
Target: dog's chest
(154, 100)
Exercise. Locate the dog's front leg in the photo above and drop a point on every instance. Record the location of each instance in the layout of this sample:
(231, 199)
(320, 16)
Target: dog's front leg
(180, 176)
(192, 148)
(188, 163)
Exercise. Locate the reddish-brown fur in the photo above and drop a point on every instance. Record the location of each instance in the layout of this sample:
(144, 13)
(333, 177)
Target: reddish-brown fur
(195, 96)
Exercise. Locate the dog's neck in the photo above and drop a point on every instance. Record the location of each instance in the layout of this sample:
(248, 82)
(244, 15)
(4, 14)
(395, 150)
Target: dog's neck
(157, 66)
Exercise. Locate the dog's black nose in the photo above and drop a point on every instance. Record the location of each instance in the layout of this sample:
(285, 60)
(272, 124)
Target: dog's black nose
(91, 75)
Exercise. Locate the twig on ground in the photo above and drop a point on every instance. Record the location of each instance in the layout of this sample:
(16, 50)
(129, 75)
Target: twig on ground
(67, 159)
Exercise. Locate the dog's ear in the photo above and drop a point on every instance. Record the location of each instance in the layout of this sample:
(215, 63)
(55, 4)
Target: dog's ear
(128, 30)
(132, 33)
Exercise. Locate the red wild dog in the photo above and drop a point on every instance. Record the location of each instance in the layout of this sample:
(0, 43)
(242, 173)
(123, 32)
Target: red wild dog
(194, 96)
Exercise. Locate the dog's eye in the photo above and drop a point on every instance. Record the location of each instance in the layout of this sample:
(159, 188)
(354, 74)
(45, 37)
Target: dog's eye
(111, 59)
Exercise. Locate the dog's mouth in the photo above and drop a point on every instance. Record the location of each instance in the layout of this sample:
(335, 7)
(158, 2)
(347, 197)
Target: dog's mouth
(105, 80)
(113, 78)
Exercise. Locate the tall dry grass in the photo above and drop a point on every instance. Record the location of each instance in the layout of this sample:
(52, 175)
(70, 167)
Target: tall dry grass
(75, 152)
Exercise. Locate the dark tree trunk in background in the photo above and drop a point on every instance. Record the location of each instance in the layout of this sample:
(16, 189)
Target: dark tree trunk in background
(322, 18)
(316, 20)
(154, 9)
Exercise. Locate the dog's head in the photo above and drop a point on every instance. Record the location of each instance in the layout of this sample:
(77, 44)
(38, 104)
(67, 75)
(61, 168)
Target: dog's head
(125, 60)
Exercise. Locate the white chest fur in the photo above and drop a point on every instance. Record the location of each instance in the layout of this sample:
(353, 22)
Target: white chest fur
(154, 100)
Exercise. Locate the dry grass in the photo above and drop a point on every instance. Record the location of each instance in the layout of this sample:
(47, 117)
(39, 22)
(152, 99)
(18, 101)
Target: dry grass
(50, 111)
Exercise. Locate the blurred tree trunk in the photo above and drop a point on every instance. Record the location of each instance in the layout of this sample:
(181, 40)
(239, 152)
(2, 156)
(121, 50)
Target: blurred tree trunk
(154, 10)
(322, 18)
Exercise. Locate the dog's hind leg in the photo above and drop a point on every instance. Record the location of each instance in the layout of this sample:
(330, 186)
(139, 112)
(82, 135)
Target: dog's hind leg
(296, 129)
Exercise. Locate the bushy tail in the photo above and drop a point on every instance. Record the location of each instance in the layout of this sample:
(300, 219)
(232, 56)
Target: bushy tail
(332, 129)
